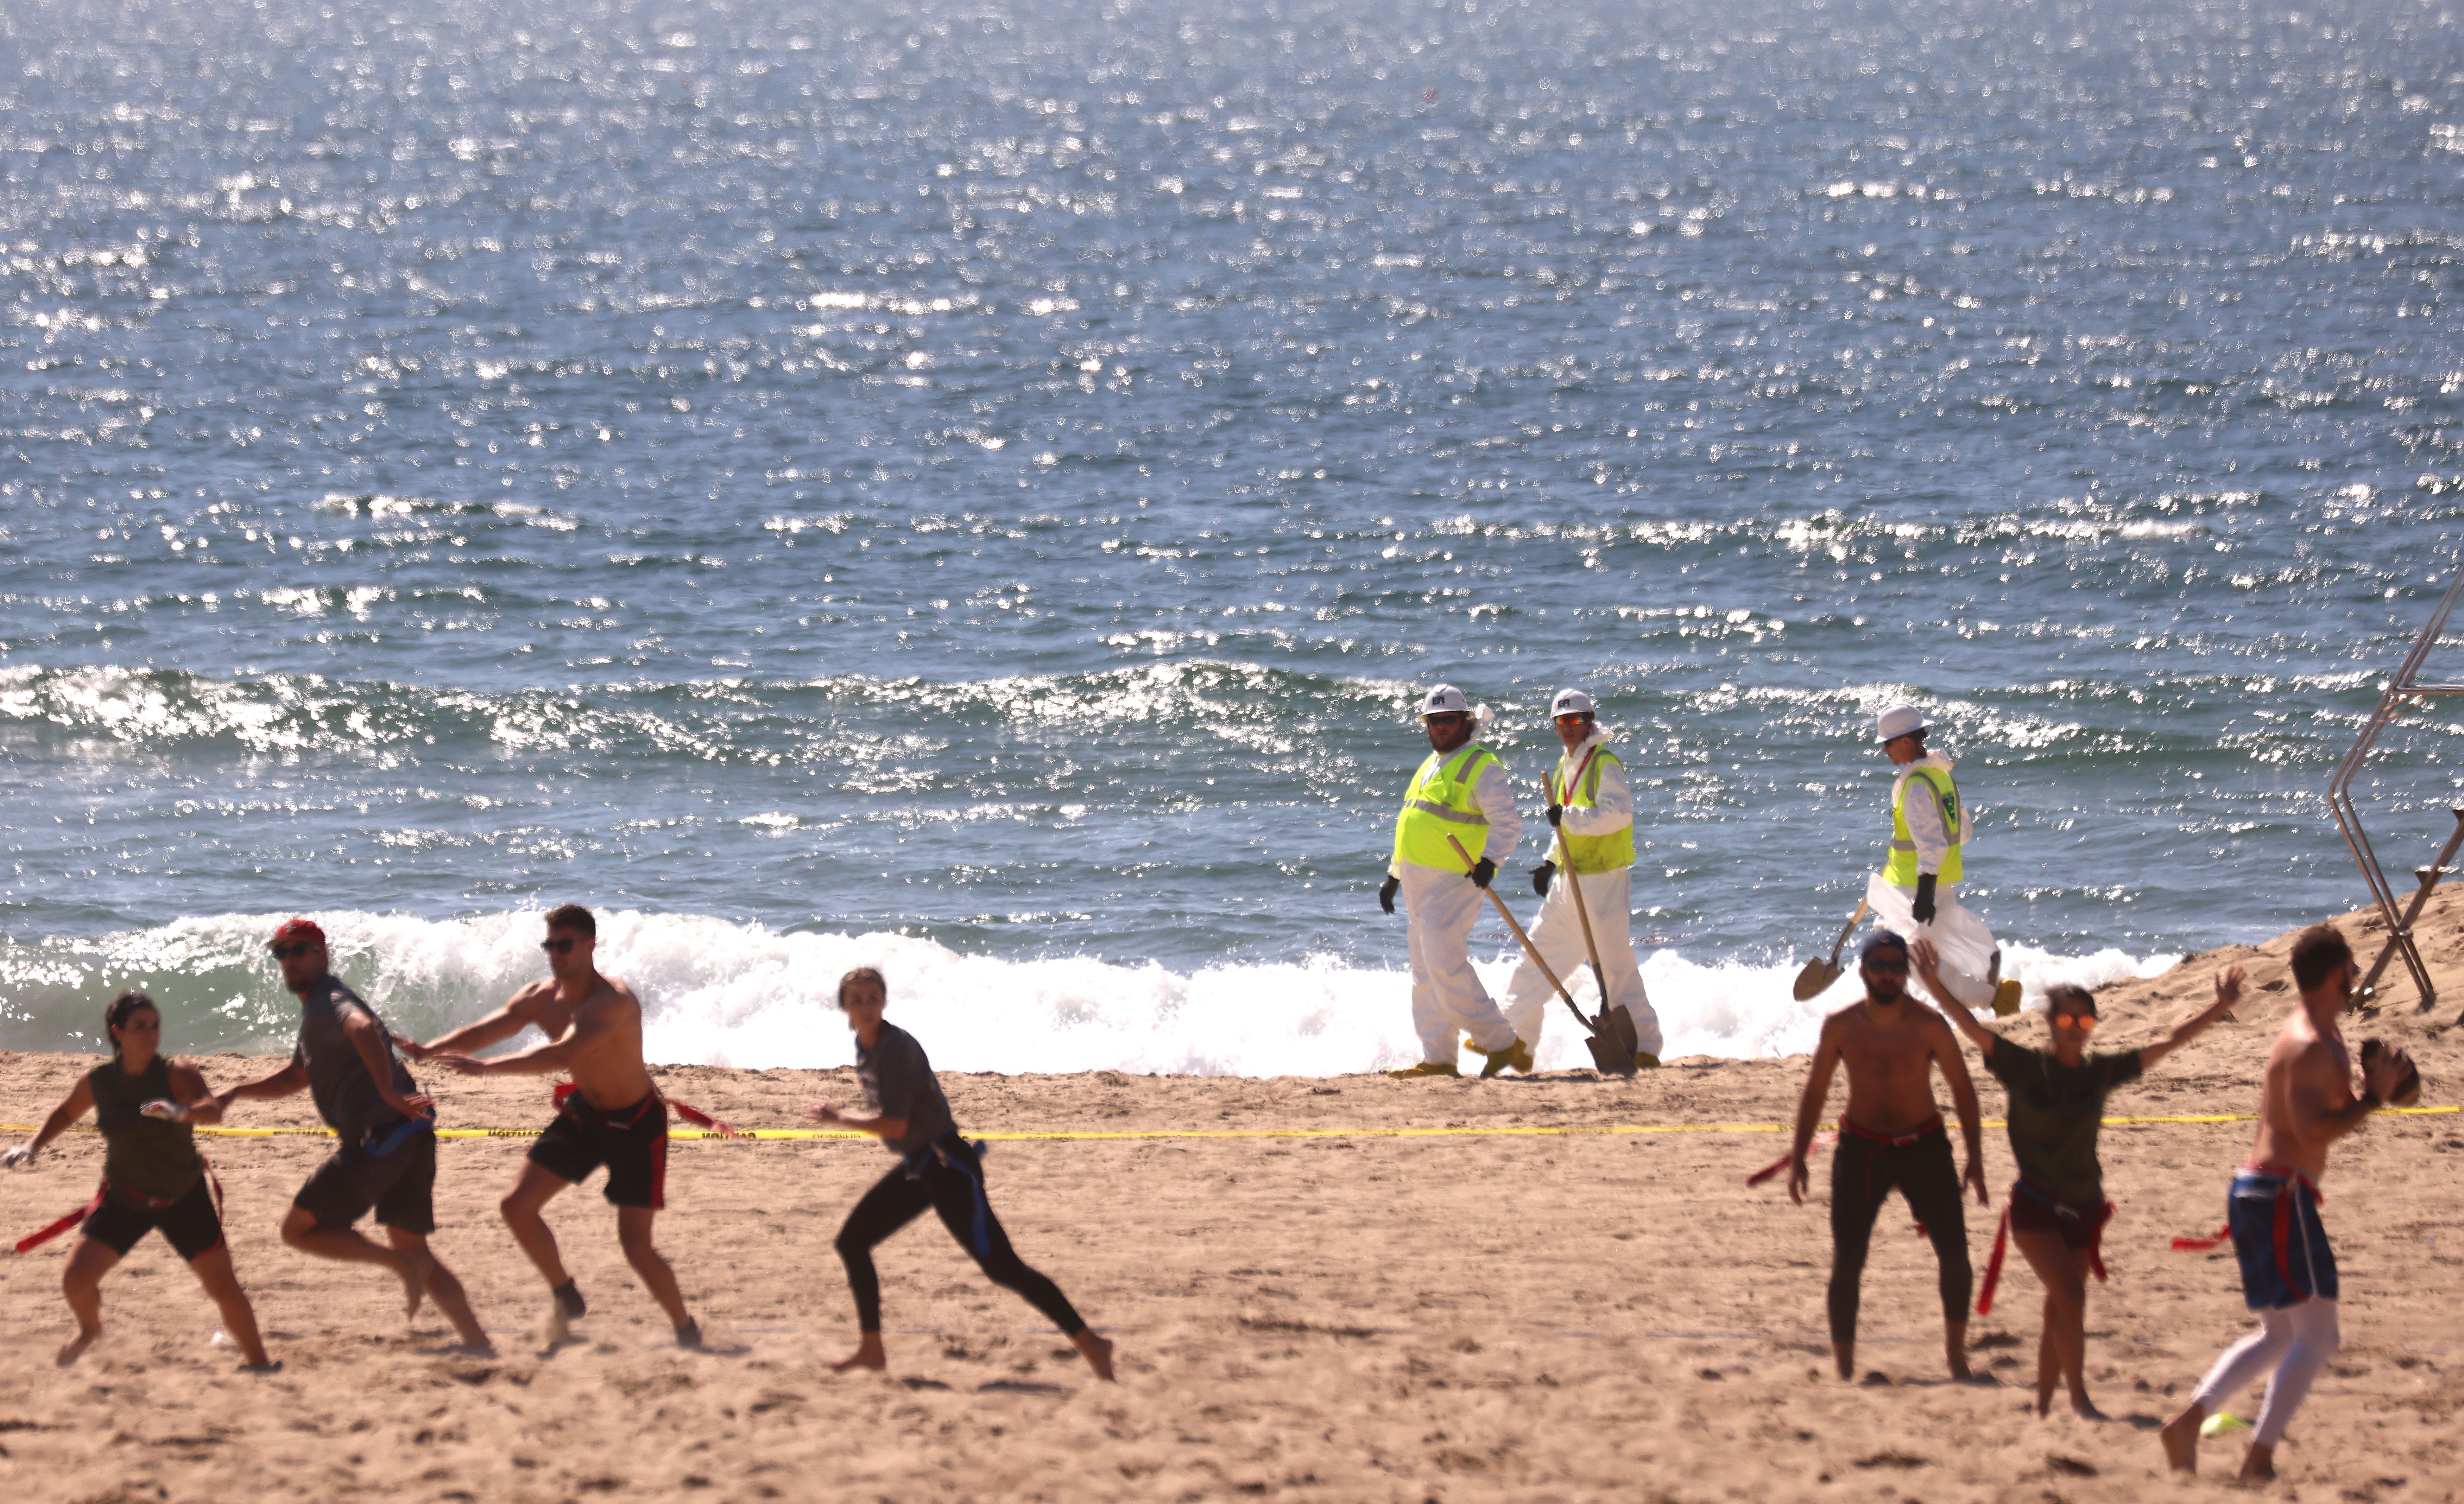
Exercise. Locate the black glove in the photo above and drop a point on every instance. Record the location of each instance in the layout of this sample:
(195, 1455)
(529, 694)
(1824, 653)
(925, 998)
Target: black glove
(1923, 908)
(1481, 871)
(1387, 890)
(1541, 877)
(1556, 814)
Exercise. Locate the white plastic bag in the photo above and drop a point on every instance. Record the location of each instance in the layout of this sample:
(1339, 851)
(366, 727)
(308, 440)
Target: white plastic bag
(1967, 946)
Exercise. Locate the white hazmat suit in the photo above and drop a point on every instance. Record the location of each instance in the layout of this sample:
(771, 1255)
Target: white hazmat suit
(1607, 896)
(1970, 960)
(1442, 905)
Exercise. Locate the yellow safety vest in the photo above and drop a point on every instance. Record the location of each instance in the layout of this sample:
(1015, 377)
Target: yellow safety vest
(1441, 803)
(1902, 869)
(1590, 853)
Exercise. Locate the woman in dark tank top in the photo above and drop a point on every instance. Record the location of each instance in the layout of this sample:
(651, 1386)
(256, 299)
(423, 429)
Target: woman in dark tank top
(147, 1107)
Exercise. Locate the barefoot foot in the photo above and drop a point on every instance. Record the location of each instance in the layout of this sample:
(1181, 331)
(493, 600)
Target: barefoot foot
(2085, 1408)
(867, 1353)
(564, 1307)
(1097, 1351)
(2258, 1463)
(75, 1347)
(2181, 1438)
(415, 1269)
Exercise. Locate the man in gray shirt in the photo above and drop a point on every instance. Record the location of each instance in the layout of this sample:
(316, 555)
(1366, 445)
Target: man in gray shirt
(387, 1159)
(937, 1168)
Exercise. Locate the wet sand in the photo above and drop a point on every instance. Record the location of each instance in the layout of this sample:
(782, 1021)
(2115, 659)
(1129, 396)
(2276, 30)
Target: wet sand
(1354, 1316)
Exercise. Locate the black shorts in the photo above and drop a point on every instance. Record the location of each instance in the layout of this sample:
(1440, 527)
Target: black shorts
(399, 1187)
(631, 1142)
(2033, 1211)
(191, 1223)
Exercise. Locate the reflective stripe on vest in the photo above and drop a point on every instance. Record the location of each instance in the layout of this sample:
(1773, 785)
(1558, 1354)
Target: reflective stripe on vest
(1590, 853)
(1902, 869)
(1440, 802)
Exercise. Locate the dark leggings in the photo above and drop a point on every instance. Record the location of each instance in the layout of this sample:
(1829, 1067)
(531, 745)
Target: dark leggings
(956, 1191)
(1862, 1173)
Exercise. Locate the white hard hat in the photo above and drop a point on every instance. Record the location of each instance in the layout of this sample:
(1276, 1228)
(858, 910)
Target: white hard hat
(1896, 721)
(1570, 701)
(1445, 700)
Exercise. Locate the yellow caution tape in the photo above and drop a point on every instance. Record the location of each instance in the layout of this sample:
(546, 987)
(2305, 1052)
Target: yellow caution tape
(1494, 1131)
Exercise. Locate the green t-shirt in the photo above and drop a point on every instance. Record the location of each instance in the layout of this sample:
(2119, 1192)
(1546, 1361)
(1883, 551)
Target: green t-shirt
(2055, 1112)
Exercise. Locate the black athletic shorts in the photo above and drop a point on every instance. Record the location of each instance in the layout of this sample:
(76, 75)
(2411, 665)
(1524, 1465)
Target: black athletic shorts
(631, 1142)
(399, 1187)
(190, 1223)
(2079, 1227)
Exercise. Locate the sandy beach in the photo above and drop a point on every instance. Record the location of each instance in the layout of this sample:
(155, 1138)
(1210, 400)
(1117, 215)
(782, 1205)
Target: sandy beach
(1363, 1313)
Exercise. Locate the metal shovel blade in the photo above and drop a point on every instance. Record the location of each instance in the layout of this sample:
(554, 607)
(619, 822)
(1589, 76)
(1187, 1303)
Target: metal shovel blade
(1619, 1025)
(1607, 1058)
(1816, 980)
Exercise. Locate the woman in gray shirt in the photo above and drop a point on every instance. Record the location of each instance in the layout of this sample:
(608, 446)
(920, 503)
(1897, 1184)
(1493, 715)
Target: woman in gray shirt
(937, 1168)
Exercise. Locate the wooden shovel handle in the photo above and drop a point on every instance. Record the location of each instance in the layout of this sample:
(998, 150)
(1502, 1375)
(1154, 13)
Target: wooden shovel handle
(1528, 949)
(1845, 931)
(1590, 947)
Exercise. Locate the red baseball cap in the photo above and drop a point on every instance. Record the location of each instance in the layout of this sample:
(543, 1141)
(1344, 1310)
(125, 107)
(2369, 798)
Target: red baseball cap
(298, 930)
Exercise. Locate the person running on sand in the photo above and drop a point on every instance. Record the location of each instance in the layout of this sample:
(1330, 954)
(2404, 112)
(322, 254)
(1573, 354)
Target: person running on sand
(147, 1105)
(611, 1115)
(937, 1168)
(2288, 1270)
(387, 1159)
(2058, 1210)
(1891, 1134)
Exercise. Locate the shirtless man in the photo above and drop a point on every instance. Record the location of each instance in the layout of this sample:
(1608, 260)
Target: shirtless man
(1891, 1134)
(387, 1159)
(2288, 1272)
(612, 1115)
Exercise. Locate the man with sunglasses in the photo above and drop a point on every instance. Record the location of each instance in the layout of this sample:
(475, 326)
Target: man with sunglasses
(611, 1115)
(1891, 1135)
(1592, 809)
(387, 1159)
(1460, 793)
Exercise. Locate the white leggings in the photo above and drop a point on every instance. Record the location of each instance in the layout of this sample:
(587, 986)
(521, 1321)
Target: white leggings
(2296, 1342)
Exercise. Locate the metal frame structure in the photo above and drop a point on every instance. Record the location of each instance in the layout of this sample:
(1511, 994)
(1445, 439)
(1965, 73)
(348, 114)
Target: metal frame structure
(2404, 687)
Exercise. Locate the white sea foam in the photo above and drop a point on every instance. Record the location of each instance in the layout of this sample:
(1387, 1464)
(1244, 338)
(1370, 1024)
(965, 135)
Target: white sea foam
(727, 993)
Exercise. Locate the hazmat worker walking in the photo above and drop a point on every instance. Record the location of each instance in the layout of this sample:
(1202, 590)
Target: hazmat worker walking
(1592, 807)
(1460, 790)
(1916, 893)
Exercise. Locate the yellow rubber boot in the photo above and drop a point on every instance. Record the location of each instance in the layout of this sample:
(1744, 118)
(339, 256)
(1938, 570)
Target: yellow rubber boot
(1426, 1068)
(1516, 1055)
(1645, 1060)
(2005, 997)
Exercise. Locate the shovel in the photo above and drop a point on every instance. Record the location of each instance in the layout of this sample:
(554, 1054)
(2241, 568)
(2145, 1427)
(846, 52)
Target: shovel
(1821, 974)
(1605, 1054)
(1615, 1021)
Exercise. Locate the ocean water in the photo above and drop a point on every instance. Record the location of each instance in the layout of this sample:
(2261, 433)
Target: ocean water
(976, 489)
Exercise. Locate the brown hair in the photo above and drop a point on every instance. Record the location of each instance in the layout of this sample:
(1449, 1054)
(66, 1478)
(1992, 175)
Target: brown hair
(2069, 997)
(574, 916)
(863, 973)
(126, 1006)
(2319, 952)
